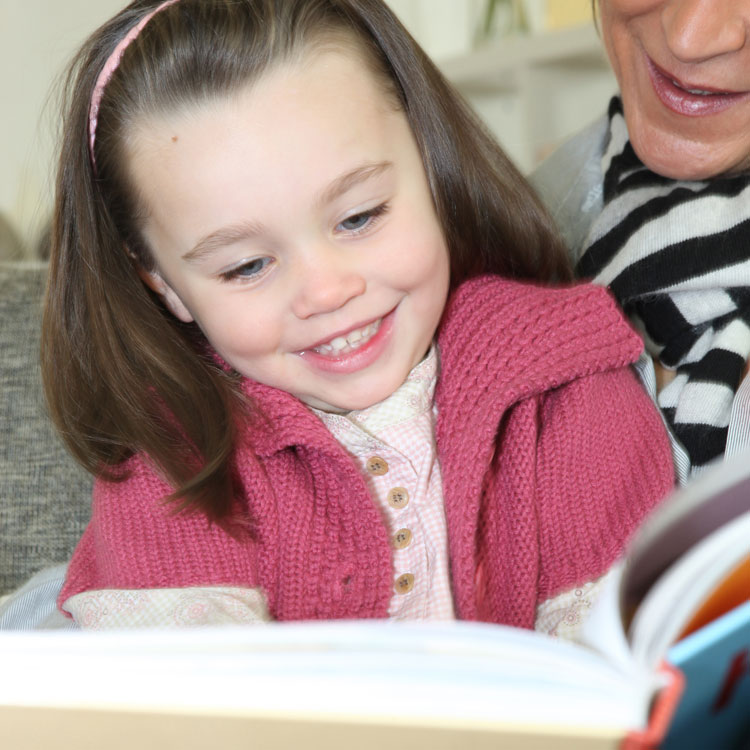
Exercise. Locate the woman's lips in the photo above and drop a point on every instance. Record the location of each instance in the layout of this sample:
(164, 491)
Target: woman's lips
(344, 354)
(690, 99)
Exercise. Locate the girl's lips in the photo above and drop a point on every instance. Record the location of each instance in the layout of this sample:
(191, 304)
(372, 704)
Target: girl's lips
(688, 99)
(357, 359)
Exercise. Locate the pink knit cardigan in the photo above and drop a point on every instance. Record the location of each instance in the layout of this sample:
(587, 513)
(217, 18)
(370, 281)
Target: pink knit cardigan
(551, 454)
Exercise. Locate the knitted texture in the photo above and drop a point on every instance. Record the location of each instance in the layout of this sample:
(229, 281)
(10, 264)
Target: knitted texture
(550, 451)
(544, 484)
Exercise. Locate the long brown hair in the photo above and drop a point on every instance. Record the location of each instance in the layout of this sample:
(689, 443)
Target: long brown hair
(122, 375)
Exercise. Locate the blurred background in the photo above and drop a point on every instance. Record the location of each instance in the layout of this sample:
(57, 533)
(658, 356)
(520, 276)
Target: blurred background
(533, 69)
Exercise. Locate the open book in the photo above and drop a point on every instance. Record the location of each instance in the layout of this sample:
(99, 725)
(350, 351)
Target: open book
(665, 664)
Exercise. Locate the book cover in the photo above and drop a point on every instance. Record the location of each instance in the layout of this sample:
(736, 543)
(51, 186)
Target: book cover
(715, 709)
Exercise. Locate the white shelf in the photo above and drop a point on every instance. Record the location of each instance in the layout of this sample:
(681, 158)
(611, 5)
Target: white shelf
(535, 90)
(496, 66)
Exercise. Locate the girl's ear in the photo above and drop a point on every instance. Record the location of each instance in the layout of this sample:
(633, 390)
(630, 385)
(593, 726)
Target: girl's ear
(154, 281)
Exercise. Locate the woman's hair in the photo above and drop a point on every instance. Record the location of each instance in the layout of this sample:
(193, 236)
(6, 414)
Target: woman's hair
(122, 375)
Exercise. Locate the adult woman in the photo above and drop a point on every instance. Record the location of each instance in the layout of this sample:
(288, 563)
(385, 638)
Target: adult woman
(654, 201)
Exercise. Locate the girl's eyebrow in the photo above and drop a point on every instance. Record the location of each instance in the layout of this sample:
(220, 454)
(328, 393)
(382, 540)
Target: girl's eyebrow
(246, 230)
(222, 237)
(348, 180)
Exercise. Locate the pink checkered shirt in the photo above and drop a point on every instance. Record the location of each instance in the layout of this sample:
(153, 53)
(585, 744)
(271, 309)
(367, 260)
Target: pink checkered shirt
(393, 443)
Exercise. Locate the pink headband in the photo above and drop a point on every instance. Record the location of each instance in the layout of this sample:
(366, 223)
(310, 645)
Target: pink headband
(109, 68)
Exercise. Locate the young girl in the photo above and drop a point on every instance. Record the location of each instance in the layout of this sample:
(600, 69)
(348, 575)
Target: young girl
(280, 330)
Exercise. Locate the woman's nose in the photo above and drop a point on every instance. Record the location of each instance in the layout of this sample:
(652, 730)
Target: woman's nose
(327, 280)
(698, 30)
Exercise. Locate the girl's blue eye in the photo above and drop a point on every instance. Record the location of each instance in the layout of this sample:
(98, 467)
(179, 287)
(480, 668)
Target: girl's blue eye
(247, 270)
(353, 223)
(363, 220)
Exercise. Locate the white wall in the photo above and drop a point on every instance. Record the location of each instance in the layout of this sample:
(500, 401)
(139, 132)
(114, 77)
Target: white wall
(36, 39)
(38, 36)
(547, 102)
(443, 27)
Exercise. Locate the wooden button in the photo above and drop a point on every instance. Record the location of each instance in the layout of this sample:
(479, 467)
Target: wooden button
(377, 466)
(402, 539)
(404, 583)
(398, 498)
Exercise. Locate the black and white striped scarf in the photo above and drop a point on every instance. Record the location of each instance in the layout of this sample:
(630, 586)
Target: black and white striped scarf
(677, 257)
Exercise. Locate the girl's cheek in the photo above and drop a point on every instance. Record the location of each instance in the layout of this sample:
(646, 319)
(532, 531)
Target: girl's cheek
(417, 252)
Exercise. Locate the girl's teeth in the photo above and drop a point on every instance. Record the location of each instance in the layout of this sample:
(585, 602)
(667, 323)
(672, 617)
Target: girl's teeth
(350, 342)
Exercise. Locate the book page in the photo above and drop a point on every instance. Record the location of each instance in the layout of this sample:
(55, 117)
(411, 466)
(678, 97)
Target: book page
(679, 592)
(706, 504)
(604, 630)
(444, 673)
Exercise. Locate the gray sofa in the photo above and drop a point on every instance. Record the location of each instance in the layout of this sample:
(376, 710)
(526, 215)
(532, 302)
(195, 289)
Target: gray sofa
(44, 495)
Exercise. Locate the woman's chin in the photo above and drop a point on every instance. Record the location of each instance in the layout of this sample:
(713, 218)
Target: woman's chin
(679, 158)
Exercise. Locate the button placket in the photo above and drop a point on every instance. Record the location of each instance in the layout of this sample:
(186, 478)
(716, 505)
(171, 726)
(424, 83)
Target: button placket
(400, 514)
(399, 437)
(389, 473)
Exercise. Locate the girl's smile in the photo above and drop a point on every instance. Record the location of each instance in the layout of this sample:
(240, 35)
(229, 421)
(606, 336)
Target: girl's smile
(356, 349)
(343, 343)
(293, 222)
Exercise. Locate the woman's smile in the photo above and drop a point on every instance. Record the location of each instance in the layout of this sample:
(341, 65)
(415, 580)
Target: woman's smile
(683, 70)
(691, 99)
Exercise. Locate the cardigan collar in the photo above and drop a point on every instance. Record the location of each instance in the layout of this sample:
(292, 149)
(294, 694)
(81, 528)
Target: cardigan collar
(518, 340)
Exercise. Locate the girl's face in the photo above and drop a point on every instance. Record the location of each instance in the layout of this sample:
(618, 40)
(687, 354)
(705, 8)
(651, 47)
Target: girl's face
(294, 224)
(683, 67)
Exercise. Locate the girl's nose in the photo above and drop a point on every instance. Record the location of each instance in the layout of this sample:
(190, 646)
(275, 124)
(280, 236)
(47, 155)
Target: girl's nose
(697, 30)
(327, 281)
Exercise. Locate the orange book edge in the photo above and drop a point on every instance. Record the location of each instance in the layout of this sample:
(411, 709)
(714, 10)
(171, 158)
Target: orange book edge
(732, 591)
(661, 714)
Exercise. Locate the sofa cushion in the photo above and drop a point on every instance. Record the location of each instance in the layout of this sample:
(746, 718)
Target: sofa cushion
(44, 495)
